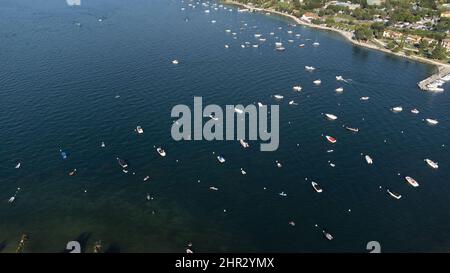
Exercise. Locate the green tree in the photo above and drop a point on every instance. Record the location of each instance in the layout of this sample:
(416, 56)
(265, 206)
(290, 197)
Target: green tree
(439, 52)
(363, 32)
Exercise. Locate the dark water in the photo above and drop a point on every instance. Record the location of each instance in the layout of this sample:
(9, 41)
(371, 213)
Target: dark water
(58, 83)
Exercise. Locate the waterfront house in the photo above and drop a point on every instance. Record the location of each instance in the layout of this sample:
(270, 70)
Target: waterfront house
(394, 35)
(309, 16)
(446, 44)
(445, 14)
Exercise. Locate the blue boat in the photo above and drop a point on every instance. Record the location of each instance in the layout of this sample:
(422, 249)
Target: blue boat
(63, 154)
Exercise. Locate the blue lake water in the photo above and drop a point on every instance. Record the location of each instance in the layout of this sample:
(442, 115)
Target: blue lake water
(62, 71)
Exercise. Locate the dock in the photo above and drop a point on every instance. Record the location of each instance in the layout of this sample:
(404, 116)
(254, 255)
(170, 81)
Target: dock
(432, 83)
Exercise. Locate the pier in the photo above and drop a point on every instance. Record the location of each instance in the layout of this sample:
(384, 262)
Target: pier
(432, 83)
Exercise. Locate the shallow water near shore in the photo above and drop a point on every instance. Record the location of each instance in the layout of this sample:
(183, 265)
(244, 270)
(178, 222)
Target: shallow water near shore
(61, 76)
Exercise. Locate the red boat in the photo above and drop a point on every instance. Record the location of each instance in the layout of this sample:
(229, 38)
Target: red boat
(331, 139)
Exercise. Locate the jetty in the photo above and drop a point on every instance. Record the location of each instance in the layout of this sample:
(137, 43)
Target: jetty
(435, 81)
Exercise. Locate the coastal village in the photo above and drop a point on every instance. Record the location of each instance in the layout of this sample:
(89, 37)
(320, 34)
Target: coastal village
(417, 30)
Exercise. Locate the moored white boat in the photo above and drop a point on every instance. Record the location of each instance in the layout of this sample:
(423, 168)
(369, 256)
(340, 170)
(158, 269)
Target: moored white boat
(393, 194)
(122, 162)
(397, 109)
(339, 89)
(175, 62)
(278, 97)
(317, 82)
(364, 98)
(310, 68)
(339, 78)
(297, 88)
(331, 139)
(414, 111)
(331, 116)
(316, 187)
(139, 130)
(221, 159)
(431, 163)
(355, 130)
(161, 151)
(431, 121)
(369, 160)
(411, 181)
(243, 143)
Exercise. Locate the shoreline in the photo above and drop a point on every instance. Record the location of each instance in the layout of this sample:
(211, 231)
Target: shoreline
(349, 37)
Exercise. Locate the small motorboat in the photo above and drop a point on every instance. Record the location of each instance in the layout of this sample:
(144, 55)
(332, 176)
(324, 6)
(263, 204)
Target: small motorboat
(327, 235)
(161, 151)
(213, 188)
(369, 160)
(282, 194)
(297, 88)
(146, 178)
(339, 89)
(18, 165)
(243, 172)
(278, 44)
(243, 143)
(260, 104)
(411, 181)
(364, 98)
(397, 109)
(292, 103)
(292, 223)
(221, 159)
(316, 44)
(122, 162)
(63, 155)
(393, 194)
(255, 46)
(431, 121)
(332, 165)
(316, 187)
(239, 111)
(279, 164)
(317, 82)
(290, 41)
(103, 145)
(331, 139)
(280, 48)
(278, 97)
(355, 130)
(227, 46)
(431, 163)
(301, 45)
(12, 198)
(73, 172)
(213, 117)
(262, 39)
(310, 68)
(257, 35)
(139, 130)
(415, 111)
(339, 78)
(175, 62)
(331, 116)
